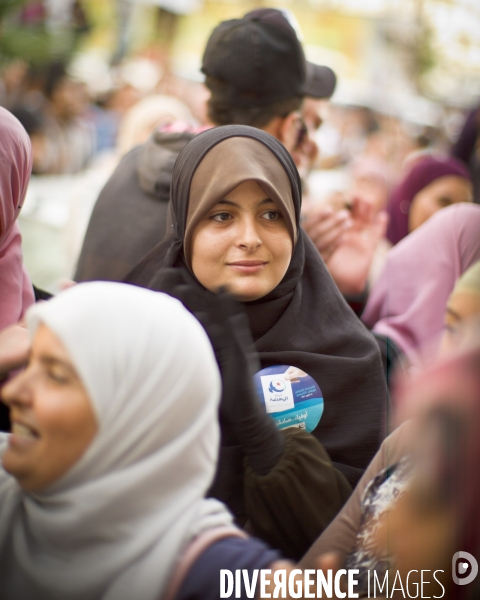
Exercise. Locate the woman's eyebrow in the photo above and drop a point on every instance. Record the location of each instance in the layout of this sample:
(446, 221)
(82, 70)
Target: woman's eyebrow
(231, 203)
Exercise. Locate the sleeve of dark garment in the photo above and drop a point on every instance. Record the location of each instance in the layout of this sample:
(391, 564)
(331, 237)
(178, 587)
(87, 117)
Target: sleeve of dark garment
(228, 483)
(203, 580)
(341, 534)
(41, 294)
(112, 245)
(291, 506)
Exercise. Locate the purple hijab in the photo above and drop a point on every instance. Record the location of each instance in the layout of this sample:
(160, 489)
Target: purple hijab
(423, 172)
(408, 301)
(16, 292)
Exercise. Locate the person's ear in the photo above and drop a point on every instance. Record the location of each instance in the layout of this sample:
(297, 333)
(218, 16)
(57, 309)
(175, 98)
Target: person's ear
(288, 131)
(284, 129)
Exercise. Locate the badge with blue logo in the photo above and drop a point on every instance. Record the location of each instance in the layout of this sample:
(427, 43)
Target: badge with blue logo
(291, 396)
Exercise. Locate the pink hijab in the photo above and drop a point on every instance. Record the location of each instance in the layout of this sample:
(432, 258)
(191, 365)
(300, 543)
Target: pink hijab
(422, 172)
(16, 292)
(408, 301)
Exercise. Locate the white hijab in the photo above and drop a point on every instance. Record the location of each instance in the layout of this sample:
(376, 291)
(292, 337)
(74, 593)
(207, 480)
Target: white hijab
(114, 525)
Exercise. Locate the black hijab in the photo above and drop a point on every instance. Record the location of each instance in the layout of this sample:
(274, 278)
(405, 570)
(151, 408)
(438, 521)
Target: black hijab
(304, 321)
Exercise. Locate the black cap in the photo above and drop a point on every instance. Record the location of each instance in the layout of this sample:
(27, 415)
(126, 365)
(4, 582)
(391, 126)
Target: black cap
(258, 60)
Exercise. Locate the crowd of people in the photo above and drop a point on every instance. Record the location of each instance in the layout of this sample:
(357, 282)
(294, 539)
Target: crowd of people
(138, 458)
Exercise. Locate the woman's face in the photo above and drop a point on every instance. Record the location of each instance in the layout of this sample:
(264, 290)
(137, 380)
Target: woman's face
(441, 193)
(243, 243)
(52, 418)
(463, 311)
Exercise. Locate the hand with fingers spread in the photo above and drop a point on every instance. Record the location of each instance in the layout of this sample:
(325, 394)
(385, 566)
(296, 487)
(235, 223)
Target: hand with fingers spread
(349, 264)
(325, 227)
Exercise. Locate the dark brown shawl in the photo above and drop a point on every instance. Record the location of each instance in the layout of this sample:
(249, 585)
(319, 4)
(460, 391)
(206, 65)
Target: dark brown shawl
(303, 322)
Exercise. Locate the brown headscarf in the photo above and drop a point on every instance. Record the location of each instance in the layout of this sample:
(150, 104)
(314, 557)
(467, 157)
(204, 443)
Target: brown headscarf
(304, 321)
(215, 178)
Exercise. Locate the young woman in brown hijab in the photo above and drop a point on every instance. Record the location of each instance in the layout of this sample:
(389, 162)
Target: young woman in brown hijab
(235, 214)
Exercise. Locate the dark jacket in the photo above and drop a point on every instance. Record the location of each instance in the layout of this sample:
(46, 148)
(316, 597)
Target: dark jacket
(130, 215)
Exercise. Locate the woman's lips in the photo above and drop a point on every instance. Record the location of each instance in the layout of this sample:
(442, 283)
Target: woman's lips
(22, 435)
(248, 266)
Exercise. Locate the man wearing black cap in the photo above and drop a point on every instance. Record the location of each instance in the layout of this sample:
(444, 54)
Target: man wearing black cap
(257, 74)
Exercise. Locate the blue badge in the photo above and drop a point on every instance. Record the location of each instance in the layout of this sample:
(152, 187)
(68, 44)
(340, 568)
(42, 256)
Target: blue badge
(291, 396)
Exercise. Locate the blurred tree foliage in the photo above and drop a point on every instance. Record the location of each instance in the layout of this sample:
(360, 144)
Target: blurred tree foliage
(413, 44)
(423, 53)
(7, 6)
(25, 33)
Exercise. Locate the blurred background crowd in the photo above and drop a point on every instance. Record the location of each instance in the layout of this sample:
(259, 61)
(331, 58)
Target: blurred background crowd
(89, 80)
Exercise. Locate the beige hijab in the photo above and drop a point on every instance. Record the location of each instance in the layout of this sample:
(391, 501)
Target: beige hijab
(225, 167)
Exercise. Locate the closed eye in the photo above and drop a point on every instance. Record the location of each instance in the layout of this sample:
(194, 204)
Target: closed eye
(57, 377)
